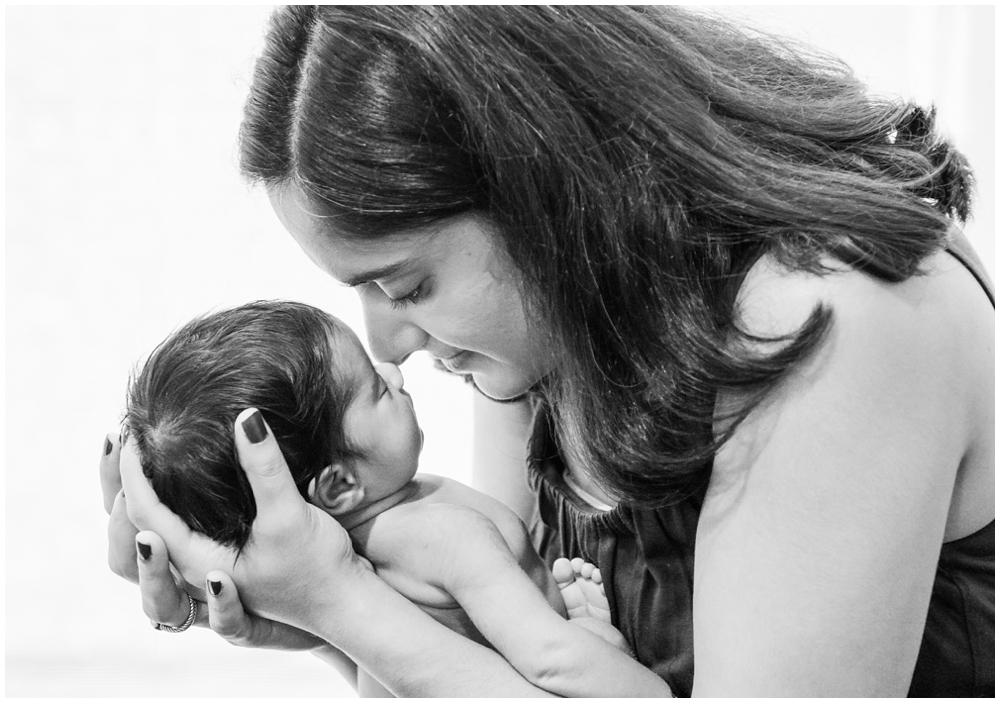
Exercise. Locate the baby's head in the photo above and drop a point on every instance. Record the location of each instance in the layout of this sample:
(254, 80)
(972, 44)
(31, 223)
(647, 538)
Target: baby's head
(346, 428)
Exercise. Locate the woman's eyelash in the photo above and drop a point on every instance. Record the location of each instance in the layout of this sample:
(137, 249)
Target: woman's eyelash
(407, 299)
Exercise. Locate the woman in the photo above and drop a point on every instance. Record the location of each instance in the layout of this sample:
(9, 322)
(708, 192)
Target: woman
(719, 283)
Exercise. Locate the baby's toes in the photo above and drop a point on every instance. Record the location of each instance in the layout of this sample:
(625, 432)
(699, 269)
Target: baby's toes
(562, 572)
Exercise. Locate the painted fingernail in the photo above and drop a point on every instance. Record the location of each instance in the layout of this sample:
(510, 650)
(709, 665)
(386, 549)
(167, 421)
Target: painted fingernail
(108, 446)
(144, 550)
(254, 427)
(214, 587)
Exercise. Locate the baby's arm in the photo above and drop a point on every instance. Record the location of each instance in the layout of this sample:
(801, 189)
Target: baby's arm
(473, 563)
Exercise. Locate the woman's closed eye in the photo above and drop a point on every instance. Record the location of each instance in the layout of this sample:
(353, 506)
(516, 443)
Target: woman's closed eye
(408, 299)
(370, 287)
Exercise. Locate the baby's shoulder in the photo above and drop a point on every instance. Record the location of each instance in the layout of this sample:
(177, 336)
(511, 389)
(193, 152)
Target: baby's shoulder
(422, 515)
(441, 490)
(428, 523)
(423, 544)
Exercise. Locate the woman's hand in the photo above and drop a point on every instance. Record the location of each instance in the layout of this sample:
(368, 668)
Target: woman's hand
(298, 558)
(143, 558)
(219, 606)
(121, 531)
(299, 568)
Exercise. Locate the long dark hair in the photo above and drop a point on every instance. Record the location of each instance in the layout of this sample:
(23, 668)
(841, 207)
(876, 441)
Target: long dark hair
(635, 162)
(276, 356)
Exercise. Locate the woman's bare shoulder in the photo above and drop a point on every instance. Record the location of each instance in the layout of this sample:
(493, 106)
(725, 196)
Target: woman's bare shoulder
(944, 297)
(831, 501)
(909, 351)
(934, 332)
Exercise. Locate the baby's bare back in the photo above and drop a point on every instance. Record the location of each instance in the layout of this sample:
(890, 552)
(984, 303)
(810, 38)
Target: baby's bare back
(416, 546)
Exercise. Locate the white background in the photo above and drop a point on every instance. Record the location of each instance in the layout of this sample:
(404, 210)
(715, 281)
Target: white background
(125, 216)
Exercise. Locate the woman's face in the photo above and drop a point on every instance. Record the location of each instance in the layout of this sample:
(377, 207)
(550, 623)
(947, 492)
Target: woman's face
(444, 289)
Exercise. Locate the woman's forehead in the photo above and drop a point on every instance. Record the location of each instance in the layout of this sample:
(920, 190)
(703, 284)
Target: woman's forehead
(348, 258)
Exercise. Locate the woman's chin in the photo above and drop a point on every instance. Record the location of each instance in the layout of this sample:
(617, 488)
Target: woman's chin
(500, 389)
(497, 386)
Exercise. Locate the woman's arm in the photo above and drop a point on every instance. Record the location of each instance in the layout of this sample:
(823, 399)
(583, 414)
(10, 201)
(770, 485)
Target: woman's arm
(819, 537)
(460, 551)
(299, 568)
(499, 452)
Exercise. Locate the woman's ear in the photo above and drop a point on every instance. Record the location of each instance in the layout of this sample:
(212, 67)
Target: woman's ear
(336, 490)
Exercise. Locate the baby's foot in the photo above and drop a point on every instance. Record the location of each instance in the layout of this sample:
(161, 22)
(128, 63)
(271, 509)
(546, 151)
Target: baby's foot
(582, 589)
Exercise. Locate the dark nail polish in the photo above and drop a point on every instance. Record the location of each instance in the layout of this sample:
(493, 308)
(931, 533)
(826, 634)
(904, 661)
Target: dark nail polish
(254, 427)
(144, 550)
(214, 587)
(108, 446)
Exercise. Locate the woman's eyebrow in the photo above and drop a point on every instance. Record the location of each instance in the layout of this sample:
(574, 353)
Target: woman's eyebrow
(375, 274)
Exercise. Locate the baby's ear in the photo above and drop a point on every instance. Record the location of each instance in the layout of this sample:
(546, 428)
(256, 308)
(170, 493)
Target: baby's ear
(336, 490)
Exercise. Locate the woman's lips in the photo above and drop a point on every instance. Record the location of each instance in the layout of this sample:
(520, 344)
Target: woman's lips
(454, 363)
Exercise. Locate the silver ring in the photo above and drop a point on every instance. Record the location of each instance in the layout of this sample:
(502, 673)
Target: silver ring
(192, 616)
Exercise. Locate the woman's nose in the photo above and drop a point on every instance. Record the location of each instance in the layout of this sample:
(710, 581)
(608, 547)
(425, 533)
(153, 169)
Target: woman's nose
(391, 337)
(391, 374)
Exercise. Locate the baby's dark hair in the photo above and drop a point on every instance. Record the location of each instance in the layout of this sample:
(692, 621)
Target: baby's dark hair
(276, 356)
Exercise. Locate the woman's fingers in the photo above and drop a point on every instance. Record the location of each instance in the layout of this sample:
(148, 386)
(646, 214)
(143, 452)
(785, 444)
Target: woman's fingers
(163, 600)
(144, 508)
(111, 480)
(194, 553)
(121, 541)
(225, 611)
(228, 619)
(278, 501)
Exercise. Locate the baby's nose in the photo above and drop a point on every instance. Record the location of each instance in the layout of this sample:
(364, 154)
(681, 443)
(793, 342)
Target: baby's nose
(391, 374)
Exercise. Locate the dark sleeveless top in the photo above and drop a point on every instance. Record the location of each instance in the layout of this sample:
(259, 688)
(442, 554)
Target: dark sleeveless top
(646, 557)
